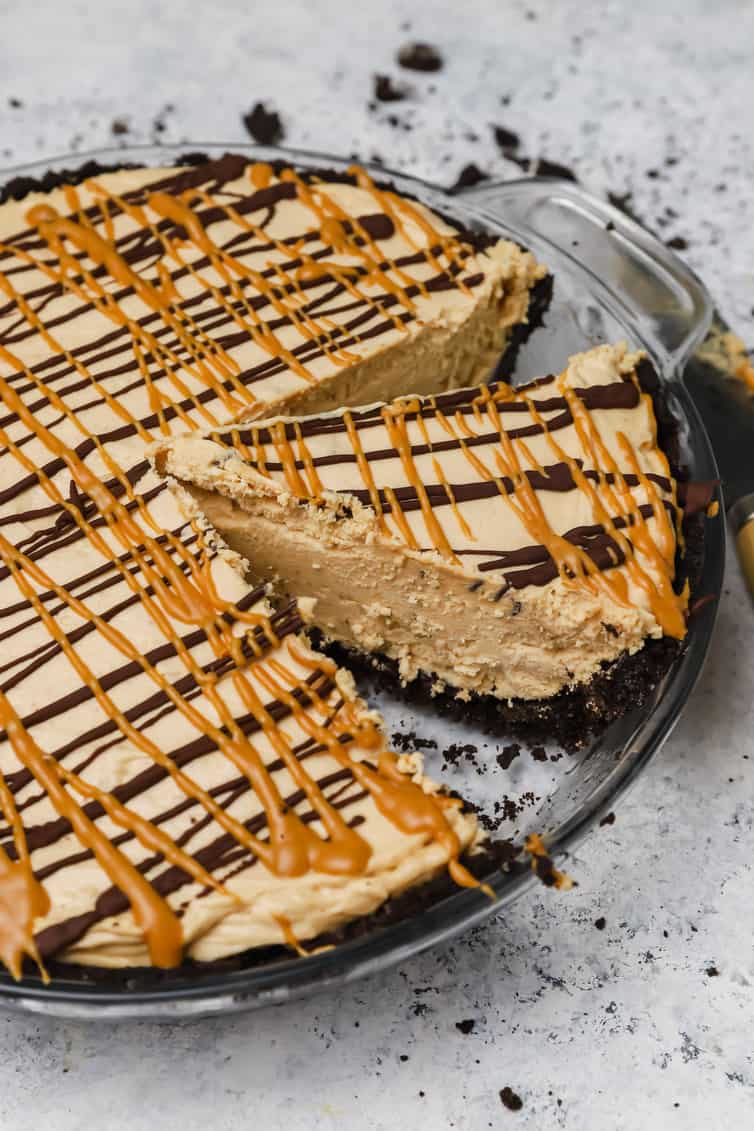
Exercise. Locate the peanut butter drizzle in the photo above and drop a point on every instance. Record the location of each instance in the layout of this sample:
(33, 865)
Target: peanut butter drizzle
(175, 584)
(162, 929)
(395, 423)
(667, 605)
(22, 898)
(364, 468)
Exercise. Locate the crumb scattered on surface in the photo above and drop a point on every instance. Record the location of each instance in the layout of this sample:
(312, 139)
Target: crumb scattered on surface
(677, 243)
(507, 755)
(385, 90)
(608, 819)
(510, 1099)
(405, 741)
(469, 176)
(466, 1026)
(119, 126)
(624, 202)
(420, 57)
(264, 125)
(600, 923)
(506, 139)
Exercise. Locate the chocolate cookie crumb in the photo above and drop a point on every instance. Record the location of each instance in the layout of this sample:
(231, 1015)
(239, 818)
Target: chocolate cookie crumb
(546, 168)
(506, 139)
(385, 90)
(420, 57)
(469, 176)
(624, 203)
(410, 740)
(15, 103)
(677, 243)
(539, 754)
(600, 923)
(119, 126)
(159, 125)
(264, 125)
(712, 972)
(507, 755)
(466, 1026)
(510, 1099)
(608, 819)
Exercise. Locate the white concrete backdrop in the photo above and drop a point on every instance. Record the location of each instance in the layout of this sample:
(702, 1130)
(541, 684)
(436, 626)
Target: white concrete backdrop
(623, 1028)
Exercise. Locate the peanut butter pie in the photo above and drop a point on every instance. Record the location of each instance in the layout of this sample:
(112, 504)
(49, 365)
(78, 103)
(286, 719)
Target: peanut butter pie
(180, 774)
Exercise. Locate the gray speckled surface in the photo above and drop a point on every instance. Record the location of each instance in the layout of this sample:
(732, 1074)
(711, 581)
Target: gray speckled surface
(620, 1028)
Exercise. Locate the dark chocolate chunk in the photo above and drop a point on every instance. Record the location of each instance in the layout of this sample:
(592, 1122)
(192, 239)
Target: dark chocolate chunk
(264, 125)
(600, 923)
(466, 1026)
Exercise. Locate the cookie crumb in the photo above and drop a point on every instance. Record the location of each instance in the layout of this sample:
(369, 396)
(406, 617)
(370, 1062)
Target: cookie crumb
(510, 1099)
(264, 125)
(420, 57)
(385, 90)
(677, 243)
(507, 755)
(506, 139)
(469, 176)
(466, 1026)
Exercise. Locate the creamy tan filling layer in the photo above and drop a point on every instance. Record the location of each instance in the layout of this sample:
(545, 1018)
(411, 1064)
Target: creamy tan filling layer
(370, 593)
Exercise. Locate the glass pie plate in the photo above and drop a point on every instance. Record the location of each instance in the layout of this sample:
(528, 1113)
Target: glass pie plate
(613, 281)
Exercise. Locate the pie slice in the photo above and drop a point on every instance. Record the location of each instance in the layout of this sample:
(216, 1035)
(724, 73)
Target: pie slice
(501, 542)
